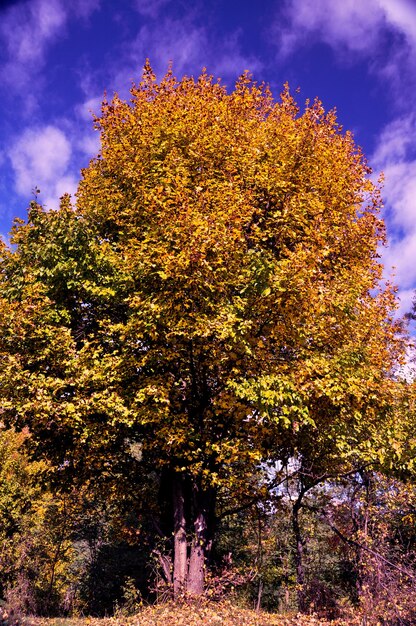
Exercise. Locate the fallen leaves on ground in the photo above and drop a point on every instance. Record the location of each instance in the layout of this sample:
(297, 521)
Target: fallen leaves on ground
(223, 614)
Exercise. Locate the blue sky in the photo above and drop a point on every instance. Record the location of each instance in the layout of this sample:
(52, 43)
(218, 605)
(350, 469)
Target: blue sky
(58, 56)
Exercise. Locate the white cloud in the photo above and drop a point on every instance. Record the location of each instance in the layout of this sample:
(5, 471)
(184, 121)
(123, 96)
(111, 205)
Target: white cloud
(92, 106)
(28, 28)
(395, 142)
(400, 255)
(37, 155)
(382, 32)
(395, 155)
(406, 299)
(41, 158)
(400, 194)
(401, 14)
(358, 26)
(347, 23)
(89, 144)
(64, 184)
(150, 8)
(87, 141)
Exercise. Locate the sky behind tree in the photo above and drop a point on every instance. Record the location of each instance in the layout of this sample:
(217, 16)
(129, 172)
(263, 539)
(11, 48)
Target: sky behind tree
(58, 57)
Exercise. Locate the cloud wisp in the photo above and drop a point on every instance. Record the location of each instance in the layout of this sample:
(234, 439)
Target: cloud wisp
(41, 158)
(381, 33)
(395, 155)
(190, 46)
(339, 24)
(359, 27)
(28, 29)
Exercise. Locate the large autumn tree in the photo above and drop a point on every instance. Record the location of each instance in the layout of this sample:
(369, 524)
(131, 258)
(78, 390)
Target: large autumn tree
(212, 302)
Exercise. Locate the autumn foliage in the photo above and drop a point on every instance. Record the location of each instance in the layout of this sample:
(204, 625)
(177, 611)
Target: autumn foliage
(211, 307)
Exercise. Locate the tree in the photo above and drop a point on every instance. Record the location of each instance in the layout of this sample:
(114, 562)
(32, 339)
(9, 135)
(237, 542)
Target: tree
(212, 301)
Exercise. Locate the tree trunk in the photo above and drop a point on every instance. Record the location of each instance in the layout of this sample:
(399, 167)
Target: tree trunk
(180, 558)
(196, 573)
(300, 572)
(191, 518)
(259, 595)
(204, 521)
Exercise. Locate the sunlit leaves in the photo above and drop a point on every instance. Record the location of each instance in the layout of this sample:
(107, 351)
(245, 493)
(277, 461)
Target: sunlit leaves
(216, 290)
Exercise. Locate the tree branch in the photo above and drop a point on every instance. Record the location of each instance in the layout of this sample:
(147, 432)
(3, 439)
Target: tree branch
(357, 544)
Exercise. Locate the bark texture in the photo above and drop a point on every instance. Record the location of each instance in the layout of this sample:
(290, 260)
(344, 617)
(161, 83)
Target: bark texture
(180, 558)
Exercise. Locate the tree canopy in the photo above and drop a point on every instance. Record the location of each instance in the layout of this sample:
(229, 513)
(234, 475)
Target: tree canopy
(214, 300)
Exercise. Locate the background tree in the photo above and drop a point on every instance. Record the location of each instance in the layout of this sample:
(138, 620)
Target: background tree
(212, 302)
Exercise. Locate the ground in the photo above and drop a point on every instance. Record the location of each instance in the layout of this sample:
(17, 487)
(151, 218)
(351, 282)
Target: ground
(203, 615)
